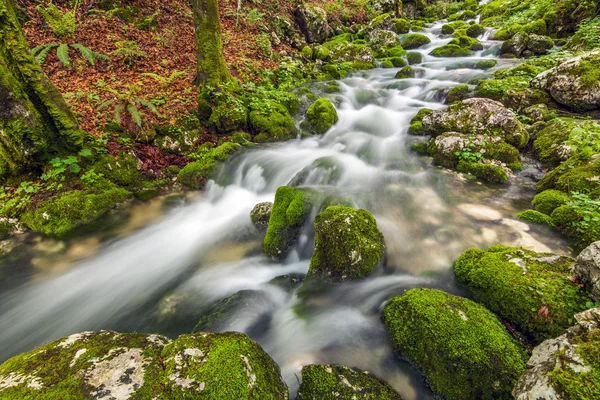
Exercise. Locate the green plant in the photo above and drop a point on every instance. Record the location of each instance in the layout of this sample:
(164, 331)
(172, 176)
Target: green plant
(62, 24)
(129, 52)
(254, 17)
(587, 36)
(264, 44)
(585, 142)
(587, 208)
(128, 103)
(92, 178)
(468, 153)
(62, 51)
(149, 22)
(166, 81)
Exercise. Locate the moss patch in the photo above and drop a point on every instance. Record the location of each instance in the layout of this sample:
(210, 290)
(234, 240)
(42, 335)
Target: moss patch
(320, 117)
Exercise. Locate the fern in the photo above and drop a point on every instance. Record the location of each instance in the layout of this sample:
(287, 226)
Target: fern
(135, 114)
(62, 24)
(89, 55)
(41, 52)
(117, 114)
(166, 81)
(63, 55)
(128, 101)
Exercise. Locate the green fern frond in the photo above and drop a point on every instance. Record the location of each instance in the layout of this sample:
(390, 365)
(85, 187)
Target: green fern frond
(118, 110)
(155, 76)
(106, 104)
(135, 114)
(63, 55)
(62, 24)
(85, 52)
(41, 52)
(150, 106)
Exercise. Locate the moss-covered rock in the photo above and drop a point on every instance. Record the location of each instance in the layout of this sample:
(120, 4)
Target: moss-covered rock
(405, 72)
(535, 217)
(129, 365)
(415, 40)
(580, 223)
(450, 50)
(123, 169)
(486, 64)
(451, 27)
(228, 117)
(312, 21)
(475, 30)
(290, 210)
(462, 348)
(260, 215)
(467, 42)
(486, 171)
(270, 122)
(348, 244)
(549, 200)
(573, 175)
(61, 215)
(414, 57)
(196, 174)
(532, 291)
(458, 93)
(416, 123)
(336, 381)
(320, 117)
(495, 89)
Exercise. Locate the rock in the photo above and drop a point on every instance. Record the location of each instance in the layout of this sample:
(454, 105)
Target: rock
(587, 269)
(532, 291)
(538, 44)
(320, 117)
(122, 366)
(405, 72)
(313, 23)
(384, 6)
(270, 122)
(515, 46)
(290, 210)
(476, 115)
(567, 367)
(415, 40)
(461, 348)
(260, 215)
(348, 244)
(228, 117)
(196, 174)
(414, 57)
(450, 50)
(337, 381)
(574, 83)
(549, 200)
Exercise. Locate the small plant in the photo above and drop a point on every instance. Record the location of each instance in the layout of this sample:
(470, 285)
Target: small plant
(264, 44)
(60, 166)
(585, 142)
(62, 24)
(127, 106)
(92, 178)
(254, 17)
(62, 51)
(147, 23)
(129, 52)
(166, 81)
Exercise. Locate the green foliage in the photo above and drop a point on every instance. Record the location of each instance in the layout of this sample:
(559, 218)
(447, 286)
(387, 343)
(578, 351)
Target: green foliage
(129, 52)
(196, 174)
(149, 22)
(535, 217)
(166, 81)
(62, 24)
(587, 36)
(62, 51)
(549, 200)
(585, 141)
(127, 102)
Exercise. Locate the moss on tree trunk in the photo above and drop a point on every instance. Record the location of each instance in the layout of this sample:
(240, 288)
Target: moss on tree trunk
(35, 121)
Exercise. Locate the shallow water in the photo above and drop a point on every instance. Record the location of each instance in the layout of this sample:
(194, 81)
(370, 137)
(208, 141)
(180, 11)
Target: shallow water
(156, 269)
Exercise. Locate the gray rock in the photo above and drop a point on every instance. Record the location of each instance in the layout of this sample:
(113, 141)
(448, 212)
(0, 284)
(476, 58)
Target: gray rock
(313, 23)
(516, 46)
(587, 269)
(384, 6)
(553, 354)
(574, 83)
(260, 215)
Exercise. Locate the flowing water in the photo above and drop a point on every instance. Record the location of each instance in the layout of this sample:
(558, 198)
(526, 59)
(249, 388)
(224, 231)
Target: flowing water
(159, 270)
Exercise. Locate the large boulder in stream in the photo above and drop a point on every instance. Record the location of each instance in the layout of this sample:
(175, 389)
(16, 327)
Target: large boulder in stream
(567, 367)
(111, 365)
(313, 23)
(320, 117)
(460, 346)
(339, 382)
(574, 83)
(348, 244)
(532, 291)
(478, 116)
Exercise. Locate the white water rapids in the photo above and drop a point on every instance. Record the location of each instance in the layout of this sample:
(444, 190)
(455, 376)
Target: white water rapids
(207, 250)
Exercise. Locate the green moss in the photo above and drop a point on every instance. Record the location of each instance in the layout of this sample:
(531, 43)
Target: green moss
(458, 93)
(573, 175)
(405, 72)
(229, 117)
(348, 244)
(398, 62)
(486, 172)
(450, 50)
(196, 174)
(550, 144)
(415, 40)
(462, 348)
(307, 52)
(320, 116)
(496, 88)
(475, 30)
(271, 121)
(530, 290)
(61, 215)
(396, 51)
(486, 64)
(401, 25)
(122, 170)
(581, 226)
(414, 57)
(329, 381)
(549, 200)
(416, 128)
(421, 148)
(535, 217)
(450, 28)
(467, 42)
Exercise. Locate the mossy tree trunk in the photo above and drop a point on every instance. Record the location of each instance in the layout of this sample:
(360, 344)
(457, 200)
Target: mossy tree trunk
(35, 121)
(211, 68)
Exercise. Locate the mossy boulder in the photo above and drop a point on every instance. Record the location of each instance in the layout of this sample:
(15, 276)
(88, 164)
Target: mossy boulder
(451, 27)
(567, 367)
(478, 116)
(450, 50)
(475, 30)
(338, 381)
(579, 223)
(228, 117)
(405, 72)
(486, 64)
(123, 169)
(320, 117)
(348, 244)
(535, 217)
(496, 89)
(458, 93)
(401, 26)
(416, 123)
(467, 42)
(573, 175)
(313, 23)
(549, 200)
(461, 348)
(196, 174)
(414, 57)
(451, 147)
(61, 215)
(108, 364)
(290, 210)
(260, 215)
(415, 40)
(270, 122)
(532, 291)
(489, 172)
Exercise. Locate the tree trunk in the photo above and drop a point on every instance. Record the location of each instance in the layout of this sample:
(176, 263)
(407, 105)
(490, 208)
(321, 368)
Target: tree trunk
(211, 68)
(35, 121)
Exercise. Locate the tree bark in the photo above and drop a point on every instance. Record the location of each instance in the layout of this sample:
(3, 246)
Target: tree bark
(211, 69)
(35, 121)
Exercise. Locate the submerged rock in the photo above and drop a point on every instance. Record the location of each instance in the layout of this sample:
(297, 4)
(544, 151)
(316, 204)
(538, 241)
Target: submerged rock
(260, 215)
(532, 291)
(321, 382)
(348, 244)
(461, 348)
(587, 269)
(122, 366)
(567, 367)
(574, 83)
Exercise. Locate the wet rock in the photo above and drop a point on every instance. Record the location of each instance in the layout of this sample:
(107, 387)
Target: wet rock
(123, 366)
(313, 23)
(448, 149)
(532, 291)
(452, 340)
(415, 40)
(260, 215)
(575, 83)
(566, 367)
(477, 115)
(348, 244)
(271, 122)
(287, 282)
(320, 116)
(322, 381)
(587, 269)
(405, 72)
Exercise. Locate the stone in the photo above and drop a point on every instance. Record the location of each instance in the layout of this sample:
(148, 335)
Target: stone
(587, 269)
(260, 215)
(320, 117)
(313, 23)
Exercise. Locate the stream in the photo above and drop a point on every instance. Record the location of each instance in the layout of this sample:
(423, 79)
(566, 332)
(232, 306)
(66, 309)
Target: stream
(159, 265)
